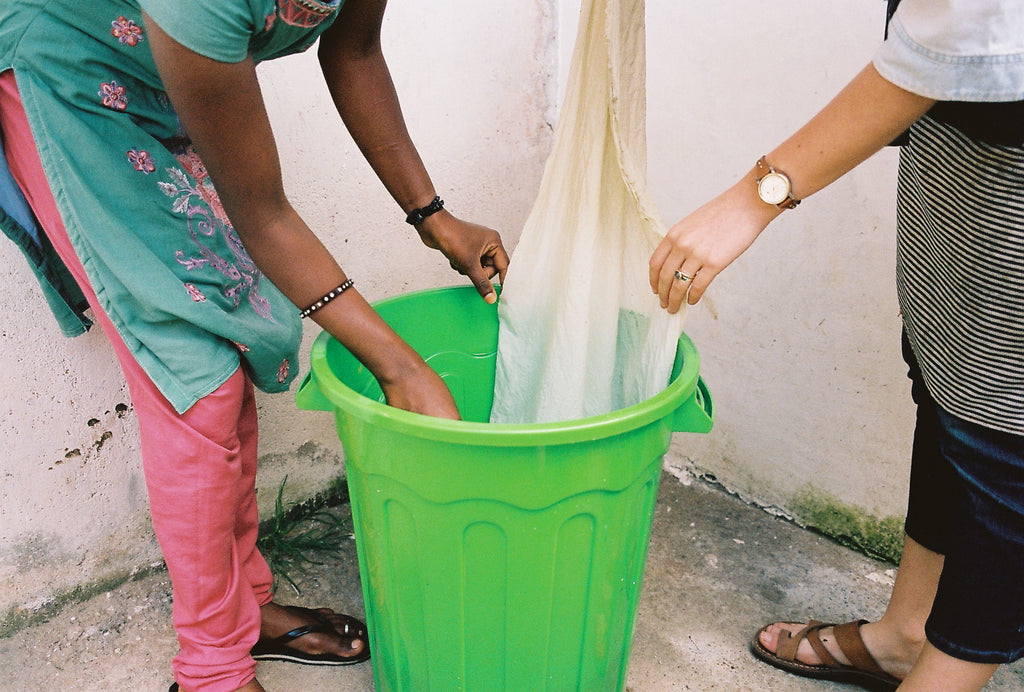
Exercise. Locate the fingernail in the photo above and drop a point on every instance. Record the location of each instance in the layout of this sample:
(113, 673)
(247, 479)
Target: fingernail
(491, 298)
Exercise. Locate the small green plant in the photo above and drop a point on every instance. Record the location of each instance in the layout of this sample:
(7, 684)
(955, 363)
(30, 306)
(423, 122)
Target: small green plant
(301, 536)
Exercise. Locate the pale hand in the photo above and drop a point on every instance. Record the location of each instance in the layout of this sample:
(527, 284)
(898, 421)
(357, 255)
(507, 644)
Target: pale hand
(706, 242)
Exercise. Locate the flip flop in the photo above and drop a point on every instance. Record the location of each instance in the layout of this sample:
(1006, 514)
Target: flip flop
(863, 669)
(278, 649)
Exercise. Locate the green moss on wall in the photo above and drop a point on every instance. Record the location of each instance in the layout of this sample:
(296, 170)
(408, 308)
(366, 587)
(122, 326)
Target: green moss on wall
(17, 618)
(849, 525)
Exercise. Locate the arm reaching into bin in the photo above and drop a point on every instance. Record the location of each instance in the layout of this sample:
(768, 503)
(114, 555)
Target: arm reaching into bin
(121, 115)
(864, 117)
(221, 106)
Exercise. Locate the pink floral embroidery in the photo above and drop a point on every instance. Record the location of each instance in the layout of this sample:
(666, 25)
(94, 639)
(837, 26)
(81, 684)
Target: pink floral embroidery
(196, 294)
(268, 24)
(141, 160)
(282, 371)
(195, 197)
(113, 95)
(194, 166)
(126, 31)
(305, 13)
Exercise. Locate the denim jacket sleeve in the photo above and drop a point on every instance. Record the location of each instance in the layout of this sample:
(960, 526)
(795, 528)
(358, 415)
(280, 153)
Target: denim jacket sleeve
(956, 50)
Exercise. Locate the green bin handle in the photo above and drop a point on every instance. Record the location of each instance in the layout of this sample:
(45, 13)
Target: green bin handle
(697, 414)
(310, 398)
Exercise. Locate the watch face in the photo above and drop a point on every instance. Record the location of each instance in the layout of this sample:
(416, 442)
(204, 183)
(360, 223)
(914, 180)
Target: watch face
(773, 188)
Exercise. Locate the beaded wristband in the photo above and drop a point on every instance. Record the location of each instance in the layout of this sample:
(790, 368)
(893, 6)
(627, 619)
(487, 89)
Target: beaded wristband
(326, 299)
(416, 216)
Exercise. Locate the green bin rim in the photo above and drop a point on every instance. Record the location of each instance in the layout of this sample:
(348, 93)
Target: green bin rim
(685, 385)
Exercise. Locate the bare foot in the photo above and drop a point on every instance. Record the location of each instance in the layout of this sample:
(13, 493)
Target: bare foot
(277, 620)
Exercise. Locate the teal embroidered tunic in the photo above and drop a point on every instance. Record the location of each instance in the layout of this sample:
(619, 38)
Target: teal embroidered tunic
(138, 205)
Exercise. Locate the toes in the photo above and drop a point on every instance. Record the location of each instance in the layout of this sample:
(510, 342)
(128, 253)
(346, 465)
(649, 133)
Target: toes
(769, 636)
(348, 638)
(351, 633)
(356, 647)
(345, 625)
(339, 643)
(349, 643)
(355, 636)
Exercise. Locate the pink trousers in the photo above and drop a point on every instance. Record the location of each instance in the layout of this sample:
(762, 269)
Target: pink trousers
(200, 470)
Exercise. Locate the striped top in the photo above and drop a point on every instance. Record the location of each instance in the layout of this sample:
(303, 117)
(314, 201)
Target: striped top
(960, 271)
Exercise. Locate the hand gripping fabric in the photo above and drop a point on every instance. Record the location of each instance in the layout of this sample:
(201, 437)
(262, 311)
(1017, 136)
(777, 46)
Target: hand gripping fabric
(580, 332)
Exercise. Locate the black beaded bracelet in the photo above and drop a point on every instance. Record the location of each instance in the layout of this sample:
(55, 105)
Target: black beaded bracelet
(416, 216)
(326, 299)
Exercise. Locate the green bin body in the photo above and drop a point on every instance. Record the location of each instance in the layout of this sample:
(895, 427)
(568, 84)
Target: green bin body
(496, 557)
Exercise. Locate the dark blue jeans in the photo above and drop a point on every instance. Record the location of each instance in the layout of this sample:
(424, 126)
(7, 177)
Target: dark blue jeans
(967, 503)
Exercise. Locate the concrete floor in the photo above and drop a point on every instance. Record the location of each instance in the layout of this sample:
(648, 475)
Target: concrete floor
(717, 570)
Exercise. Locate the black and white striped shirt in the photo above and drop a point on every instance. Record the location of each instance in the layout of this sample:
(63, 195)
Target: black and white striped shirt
(960, 271)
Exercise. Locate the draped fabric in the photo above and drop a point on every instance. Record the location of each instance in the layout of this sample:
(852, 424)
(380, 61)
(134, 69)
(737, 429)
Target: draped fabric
(580, 332)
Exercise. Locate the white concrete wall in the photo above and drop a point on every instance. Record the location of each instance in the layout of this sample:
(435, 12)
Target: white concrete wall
(799, 338)
(475, 81)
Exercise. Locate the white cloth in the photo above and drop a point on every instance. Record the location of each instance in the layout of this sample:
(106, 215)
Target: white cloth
(580, 332)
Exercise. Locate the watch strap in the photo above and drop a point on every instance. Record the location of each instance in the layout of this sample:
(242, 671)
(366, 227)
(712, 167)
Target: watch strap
(761, 168)
(789, 203)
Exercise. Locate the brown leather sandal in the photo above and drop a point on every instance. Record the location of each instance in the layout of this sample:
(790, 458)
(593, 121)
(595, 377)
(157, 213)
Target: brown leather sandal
(863, 671)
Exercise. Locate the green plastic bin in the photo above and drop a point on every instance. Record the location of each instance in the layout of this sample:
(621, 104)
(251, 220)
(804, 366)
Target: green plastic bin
(496, 557)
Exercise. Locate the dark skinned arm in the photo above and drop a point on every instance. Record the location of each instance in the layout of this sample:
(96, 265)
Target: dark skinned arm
(222, 109)
(360, 84)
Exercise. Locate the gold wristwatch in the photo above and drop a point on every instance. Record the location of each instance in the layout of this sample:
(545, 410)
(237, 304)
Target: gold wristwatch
(773, 187)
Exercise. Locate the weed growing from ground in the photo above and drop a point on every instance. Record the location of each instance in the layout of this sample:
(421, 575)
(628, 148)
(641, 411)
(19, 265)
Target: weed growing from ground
(301, 536)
